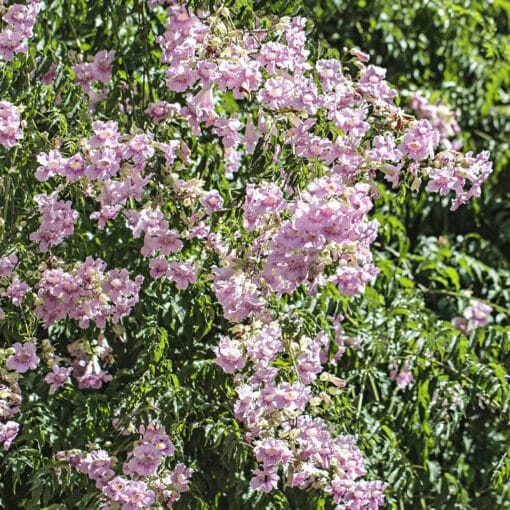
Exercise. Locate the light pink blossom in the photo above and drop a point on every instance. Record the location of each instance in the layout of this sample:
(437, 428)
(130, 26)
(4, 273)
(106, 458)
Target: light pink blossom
(24, 358)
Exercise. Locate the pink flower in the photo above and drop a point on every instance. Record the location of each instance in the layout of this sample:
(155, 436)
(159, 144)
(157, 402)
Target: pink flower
(100, 69)
(58, 377)
(16, 292)
(260, 201)
(357, 495)
(478, 313)
(23, 359)
(461, 324)
(139, 496)
(373, 83)
(84, 75)
(251, 136)
(276, 93)
(266, 345)
(212, 201)
(351, 121)
(115, 489)
(106, 134)
(474, 316)
(404, 377)
(292, 396)
(57, 221)
(49, 76)
(74, 168)
(264, 481)
(159, 267)
(440, 116)
(361, 55)
(105, 164)
(7, 265)
(140, 149)
(420, 142)
(200, 108)
(145, 461)
(180, 78)
(229, 131)
(180, 477)
(88, 371)
(10, 130)
(97, 466)
(330, 72)
(160, 440)
(272, 452)
(272, 55)
(183, 273)
(103, 65)
(168, 241)
(8, 432)
(229, 356)
(21, 18)
(452, 171)
(161, 111)
(50, 164)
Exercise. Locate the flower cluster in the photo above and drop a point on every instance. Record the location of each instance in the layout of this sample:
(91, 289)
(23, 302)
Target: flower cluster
(96, 72)
(10, 130)
(57, 221)
(10, 401)
(476, 315)
(18, 22)
(287, 439)
(112, 171)
(452, 171)
(305, 235)
(16, 292)
(7, 265)
(86, 294)
(86, 367)
(326, 225)
(441, 117)
(145, 480)
(328, 133)
(58, 377)
(85, 364)
(8, 432)
(18, 359)
(10, 397)
(24, 358)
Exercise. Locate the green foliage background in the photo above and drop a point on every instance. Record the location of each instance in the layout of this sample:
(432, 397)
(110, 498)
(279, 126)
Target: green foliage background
(431, 261)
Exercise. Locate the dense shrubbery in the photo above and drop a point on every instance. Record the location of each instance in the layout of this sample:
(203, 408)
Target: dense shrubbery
(229, 276)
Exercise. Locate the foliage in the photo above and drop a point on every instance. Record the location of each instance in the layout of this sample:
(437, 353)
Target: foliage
(389, 353)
